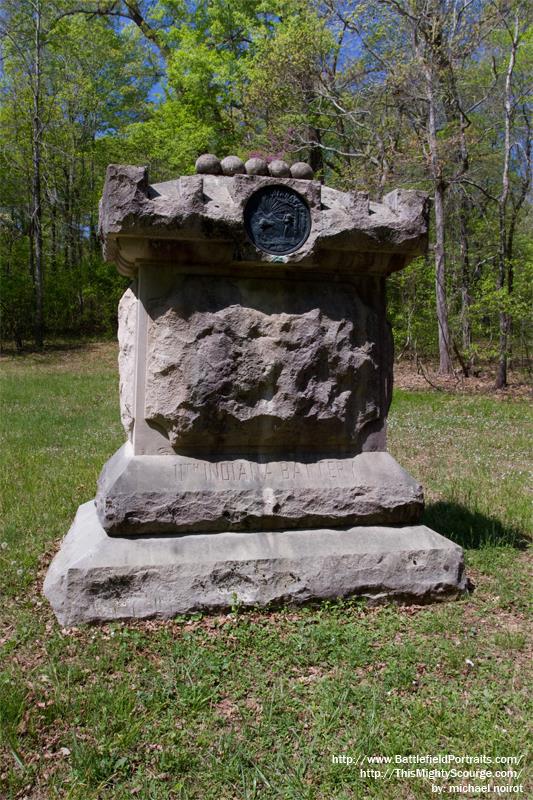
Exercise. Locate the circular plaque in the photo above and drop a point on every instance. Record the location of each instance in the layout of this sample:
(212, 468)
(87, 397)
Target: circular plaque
(277, 219)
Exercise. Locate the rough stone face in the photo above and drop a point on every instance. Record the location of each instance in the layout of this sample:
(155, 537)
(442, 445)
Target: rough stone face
(256, 166)
(263, 363)
(302, 171)
(125, 193)
(232, 165)
(95, 577)
(165, 494)
(208, 164)
(279, 169)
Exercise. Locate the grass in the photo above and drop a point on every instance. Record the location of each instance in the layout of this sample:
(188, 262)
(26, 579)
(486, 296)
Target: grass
(257, 704)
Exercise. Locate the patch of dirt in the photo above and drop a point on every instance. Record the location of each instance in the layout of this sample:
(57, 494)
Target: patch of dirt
(83, 357)
(414, 376)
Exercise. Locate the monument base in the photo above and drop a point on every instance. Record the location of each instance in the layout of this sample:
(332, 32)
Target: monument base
(170, 494)
(95, 577)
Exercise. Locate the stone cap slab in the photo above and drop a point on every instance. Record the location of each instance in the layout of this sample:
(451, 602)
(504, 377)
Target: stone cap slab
(198, 220)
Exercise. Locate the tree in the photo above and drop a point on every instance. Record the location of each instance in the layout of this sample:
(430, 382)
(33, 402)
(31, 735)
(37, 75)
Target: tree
(426, 94)
(284, 96)
(432, 31)
(22, 26)
(66, 85)
(516, 139)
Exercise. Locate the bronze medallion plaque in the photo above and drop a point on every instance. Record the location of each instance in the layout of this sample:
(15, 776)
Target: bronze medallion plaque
(277, 220)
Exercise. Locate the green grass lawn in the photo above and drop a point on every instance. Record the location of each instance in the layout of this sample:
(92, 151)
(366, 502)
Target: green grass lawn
(257, 704)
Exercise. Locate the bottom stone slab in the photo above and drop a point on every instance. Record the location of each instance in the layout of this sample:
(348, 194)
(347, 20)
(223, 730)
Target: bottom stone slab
(95, 577)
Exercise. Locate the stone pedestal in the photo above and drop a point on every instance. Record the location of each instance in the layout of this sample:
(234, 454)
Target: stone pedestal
(255, 381)
(97, 577)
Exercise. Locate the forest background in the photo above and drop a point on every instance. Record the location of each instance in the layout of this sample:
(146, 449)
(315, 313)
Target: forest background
(427, 94)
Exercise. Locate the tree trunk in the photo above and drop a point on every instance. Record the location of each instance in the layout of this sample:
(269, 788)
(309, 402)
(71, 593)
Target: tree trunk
(466, 299)
(53, 237)
(316, 159)
(93, 233)
(445, 362)
(503, 254)
(36, 213)
(501, 375)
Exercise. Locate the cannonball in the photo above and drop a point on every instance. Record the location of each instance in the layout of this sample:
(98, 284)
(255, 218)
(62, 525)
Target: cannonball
(256, 166)
(232, 165)
(279, 169)
(208, 164)
(302, 171)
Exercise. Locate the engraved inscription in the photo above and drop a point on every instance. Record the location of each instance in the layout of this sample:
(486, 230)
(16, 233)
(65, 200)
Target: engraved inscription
(329, 470)
(277, 220)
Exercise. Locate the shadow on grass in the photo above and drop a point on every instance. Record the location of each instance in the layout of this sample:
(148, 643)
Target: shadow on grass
(472, 529)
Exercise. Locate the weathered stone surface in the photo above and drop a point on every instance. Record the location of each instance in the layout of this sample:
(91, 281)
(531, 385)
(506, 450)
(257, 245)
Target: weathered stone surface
(95, 577)
(263, 363)
(232, 165)
(279, 169)
(349, 234)
(256, 376)
(256, 166)
(125, 194)
(242, 368)
(302, 171)
(208, 164)
(127, 328)
(166, 494)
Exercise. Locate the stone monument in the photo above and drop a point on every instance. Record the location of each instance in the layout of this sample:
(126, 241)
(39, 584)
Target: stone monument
(255, 380)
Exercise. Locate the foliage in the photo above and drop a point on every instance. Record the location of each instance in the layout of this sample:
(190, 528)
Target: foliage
(93, 87)
(341, 85)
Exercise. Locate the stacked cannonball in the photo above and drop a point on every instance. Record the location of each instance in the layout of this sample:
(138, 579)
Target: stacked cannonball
(208, 164)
